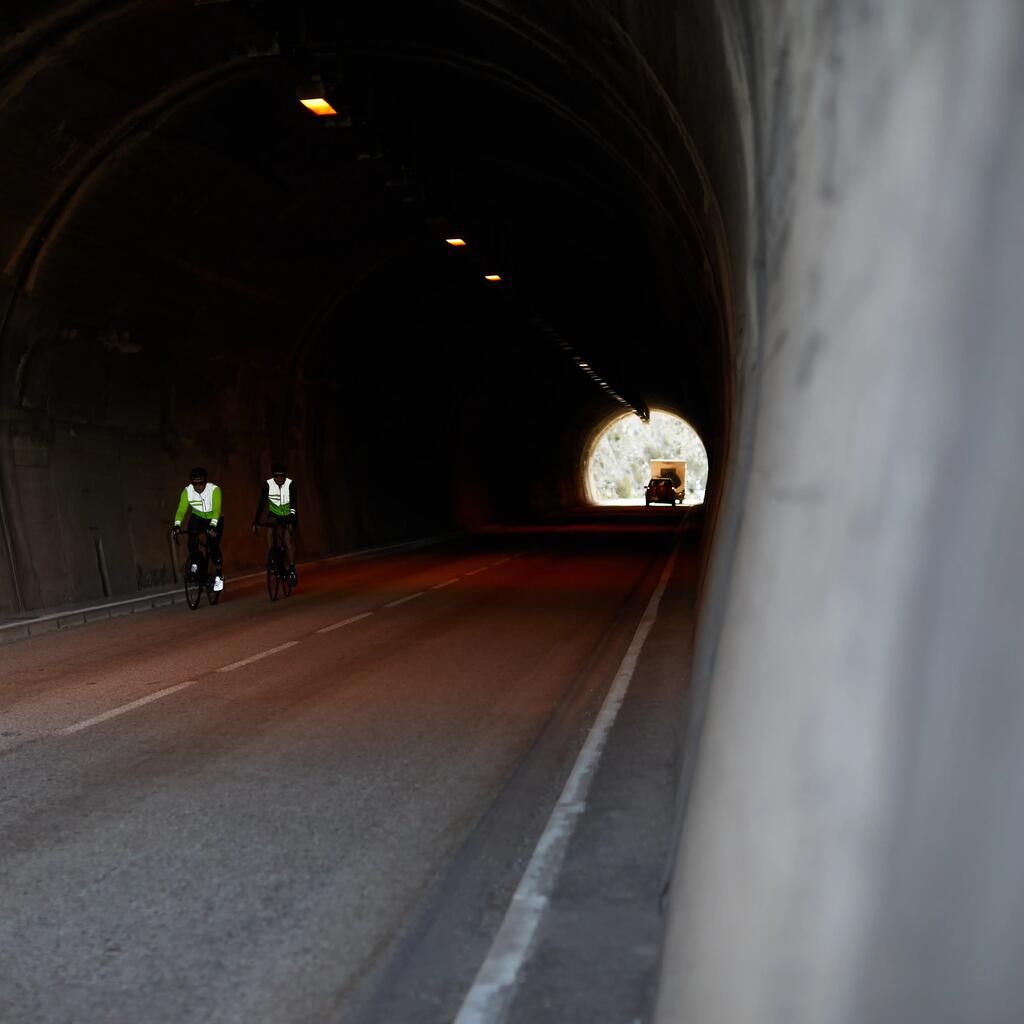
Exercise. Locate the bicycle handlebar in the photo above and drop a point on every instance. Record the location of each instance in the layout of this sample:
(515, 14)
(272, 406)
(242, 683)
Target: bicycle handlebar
(181, 529)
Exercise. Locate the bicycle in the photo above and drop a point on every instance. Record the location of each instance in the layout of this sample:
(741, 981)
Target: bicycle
(198, 579)
(279, 576)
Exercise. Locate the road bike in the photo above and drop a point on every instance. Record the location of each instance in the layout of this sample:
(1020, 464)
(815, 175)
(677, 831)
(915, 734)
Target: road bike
(196, 574)
(279, 575)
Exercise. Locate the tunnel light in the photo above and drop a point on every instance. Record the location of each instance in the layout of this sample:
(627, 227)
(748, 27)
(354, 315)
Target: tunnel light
(492, 277)
(455, 241)
(319, 106)
(312, 94)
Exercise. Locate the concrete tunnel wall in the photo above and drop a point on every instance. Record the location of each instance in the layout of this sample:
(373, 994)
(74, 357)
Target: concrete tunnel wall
(851, 782)
(853, 843)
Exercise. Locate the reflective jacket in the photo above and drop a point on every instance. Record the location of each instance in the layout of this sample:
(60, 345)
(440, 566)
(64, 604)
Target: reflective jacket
(205, 505)
(280, 500)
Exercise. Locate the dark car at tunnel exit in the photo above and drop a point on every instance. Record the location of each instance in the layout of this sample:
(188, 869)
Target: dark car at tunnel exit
(659, 490)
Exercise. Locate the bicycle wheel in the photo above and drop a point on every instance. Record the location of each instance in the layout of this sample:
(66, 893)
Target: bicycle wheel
(286, 583)
(273, 582)
(193, 588)
(212, 595)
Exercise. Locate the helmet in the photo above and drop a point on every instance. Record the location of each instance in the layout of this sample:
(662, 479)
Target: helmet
(277, 468)
(198, 475)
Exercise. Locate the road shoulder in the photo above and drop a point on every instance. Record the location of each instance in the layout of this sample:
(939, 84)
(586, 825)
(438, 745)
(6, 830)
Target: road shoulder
(595, 954)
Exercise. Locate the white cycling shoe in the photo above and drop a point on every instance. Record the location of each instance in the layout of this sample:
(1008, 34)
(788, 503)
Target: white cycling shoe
(218, 583)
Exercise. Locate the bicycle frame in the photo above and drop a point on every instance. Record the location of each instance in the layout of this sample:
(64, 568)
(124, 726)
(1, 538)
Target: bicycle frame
(200, 580)
(278, 576)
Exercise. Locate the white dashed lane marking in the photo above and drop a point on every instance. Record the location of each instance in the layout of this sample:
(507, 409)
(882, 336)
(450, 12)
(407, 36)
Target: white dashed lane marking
(344, 622)
(167, 691)
(447, 583)
(257, 657)
(78, 726)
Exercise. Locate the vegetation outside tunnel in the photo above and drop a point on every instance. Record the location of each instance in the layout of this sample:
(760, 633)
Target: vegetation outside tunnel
(619, 460)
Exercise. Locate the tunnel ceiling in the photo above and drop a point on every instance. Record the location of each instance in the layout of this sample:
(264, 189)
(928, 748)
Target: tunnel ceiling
(161, 170)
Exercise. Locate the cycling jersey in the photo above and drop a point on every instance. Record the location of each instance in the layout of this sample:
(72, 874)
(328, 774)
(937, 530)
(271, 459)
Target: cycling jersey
(204, 505)
(279, 499)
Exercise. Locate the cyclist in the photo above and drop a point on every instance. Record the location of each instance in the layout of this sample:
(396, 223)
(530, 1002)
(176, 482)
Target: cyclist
(278, 495)
(202, 499)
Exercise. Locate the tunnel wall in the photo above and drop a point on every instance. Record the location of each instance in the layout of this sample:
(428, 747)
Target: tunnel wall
(100, 442)
(195, 272)
(851, 845)
(170, 251)
(105, 414)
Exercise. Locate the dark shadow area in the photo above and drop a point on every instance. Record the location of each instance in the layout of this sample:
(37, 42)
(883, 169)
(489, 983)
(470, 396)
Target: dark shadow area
(198, 269)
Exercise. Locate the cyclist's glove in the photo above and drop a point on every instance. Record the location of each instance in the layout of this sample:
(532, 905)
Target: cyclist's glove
(175, 529)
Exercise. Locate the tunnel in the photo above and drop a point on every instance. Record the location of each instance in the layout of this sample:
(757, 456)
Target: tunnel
(796, 225)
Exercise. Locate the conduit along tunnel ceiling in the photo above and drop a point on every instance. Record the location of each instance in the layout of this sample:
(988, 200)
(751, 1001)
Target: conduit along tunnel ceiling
(206, 268)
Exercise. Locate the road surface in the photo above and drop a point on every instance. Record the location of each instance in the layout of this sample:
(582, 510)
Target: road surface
(235, 814)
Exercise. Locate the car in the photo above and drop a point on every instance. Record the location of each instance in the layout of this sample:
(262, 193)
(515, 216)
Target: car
(659, 489)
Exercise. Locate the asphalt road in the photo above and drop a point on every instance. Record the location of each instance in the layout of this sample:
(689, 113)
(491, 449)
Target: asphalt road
(234, 814)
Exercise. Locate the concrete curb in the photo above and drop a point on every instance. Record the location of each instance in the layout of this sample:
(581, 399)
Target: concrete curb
(67, 618)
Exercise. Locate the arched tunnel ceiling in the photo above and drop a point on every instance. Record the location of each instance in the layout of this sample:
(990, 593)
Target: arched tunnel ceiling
(185, 235)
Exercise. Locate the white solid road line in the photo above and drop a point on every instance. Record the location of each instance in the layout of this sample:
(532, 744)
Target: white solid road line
(483, 568)
(402, 600)
(491, 993)
(257, 657)
(79, 726)
(345, 622)
(447, 583)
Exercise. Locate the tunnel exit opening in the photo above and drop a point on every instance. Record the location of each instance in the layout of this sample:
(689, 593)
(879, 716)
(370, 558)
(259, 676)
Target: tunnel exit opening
(628, 451)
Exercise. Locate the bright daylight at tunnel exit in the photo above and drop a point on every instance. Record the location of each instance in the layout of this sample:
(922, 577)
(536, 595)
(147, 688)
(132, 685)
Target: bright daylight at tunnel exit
(510, 512)
(629, 453)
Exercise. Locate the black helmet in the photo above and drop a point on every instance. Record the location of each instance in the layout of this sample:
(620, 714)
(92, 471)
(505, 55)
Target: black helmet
(278, 467)
(198, 475)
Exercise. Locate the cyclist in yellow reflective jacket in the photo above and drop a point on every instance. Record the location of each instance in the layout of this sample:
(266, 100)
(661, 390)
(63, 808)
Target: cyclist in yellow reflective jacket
(201, 499)
(278, 496)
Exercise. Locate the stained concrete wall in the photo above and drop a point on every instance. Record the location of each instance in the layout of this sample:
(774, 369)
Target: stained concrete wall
(103, 420)
(853, 843)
